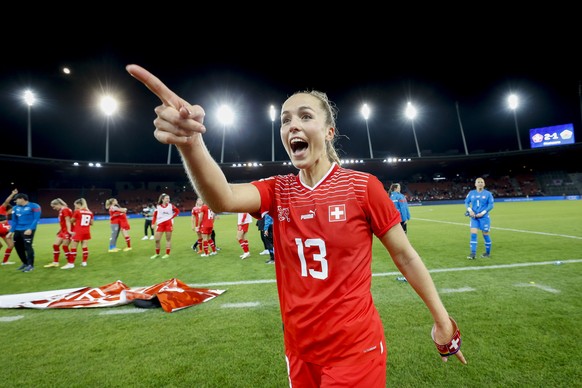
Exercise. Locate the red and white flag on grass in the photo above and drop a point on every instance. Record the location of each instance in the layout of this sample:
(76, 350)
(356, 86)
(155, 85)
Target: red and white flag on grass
(173, 295)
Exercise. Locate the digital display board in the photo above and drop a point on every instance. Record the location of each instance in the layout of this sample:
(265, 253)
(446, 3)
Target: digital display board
(552, 136)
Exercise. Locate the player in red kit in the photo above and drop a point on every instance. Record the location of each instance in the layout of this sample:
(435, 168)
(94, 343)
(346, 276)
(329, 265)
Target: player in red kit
(64, 234)
(242, 228)
(82, 221)
(5, 234)
(332, 331)
(163, 222)
(196, 225)
(206, 222)
(119, 223)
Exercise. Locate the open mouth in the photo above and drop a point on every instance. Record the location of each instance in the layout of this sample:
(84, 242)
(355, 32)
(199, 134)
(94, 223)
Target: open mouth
(298, 145)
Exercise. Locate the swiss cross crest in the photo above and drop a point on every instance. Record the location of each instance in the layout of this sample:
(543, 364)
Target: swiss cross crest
(337, 213)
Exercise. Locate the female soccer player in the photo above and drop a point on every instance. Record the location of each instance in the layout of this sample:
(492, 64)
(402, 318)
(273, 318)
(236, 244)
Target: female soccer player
(332, 331)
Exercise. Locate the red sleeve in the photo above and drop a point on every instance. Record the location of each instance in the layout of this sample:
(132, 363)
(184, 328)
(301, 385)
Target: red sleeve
(384, 214)
(176, 211)
(266, 189)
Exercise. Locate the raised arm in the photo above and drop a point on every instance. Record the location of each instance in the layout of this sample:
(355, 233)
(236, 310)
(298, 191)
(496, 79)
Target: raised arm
(9, 198)
(182, 124)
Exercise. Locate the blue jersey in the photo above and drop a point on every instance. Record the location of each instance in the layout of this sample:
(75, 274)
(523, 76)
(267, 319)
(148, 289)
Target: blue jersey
(479, 201)
(401, 205)
(25, 217)
(268, 222)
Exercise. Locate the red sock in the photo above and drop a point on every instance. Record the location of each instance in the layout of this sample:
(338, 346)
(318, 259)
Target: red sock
(85, 254)
(56, 253)
(67, 251)
(72, 256)
(7, 254)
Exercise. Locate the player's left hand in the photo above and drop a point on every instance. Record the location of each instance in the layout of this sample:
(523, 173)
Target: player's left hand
(447, 339)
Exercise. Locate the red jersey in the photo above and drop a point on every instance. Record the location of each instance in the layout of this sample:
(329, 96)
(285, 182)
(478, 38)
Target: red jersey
(323, 247)
(82, 224)
(3, 214)
(116, 216)
(195, 215)
(206, 217)
(4, 224)
(244, 218)
(63, 214)
(165, 213)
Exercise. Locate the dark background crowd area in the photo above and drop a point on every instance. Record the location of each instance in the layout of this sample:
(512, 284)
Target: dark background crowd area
(541, 172)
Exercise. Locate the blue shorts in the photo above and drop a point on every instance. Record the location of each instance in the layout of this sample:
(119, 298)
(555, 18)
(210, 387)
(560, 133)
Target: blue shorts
(482, 223)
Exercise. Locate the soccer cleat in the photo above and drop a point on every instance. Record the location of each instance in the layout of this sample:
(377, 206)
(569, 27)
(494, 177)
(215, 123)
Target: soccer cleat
(8, 263)
(84, 264)
(265, 252)
(144, 237)
(166, 256)
(127, 249)
(23, 266)
(51, 265)
(486, 255)
(68, 266)
(471, 256)
(155, 256)
(113, 250)
(270, 262)
(151, 237)
(28, 268)
(213, 253)
(204, 255)
(245, 255)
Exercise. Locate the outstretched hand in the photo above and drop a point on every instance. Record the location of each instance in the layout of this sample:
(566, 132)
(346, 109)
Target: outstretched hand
(177, 120)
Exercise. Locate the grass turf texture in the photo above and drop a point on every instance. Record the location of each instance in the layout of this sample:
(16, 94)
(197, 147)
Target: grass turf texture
(518, 312)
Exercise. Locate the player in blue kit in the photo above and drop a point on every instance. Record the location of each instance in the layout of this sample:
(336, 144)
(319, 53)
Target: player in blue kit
(479, 203)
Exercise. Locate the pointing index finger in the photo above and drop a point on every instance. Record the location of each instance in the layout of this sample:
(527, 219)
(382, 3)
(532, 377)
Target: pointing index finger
(154, 84)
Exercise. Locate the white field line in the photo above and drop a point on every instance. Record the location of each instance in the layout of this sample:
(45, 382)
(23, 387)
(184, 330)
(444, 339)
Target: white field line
(506, 229)
(453, 290)
(254, 304)
(123, 311)
(540, 286)
(39, 295)
(240, 305)
(10, 319)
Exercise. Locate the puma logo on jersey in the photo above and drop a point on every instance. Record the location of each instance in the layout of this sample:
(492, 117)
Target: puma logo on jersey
(309, 215)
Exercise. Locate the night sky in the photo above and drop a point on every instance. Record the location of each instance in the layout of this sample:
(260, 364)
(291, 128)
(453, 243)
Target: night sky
(250, 73)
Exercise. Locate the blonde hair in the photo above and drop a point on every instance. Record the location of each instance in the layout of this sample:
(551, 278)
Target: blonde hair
(58, 201)
(331, 113)
(109, 202)
(82, 203)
